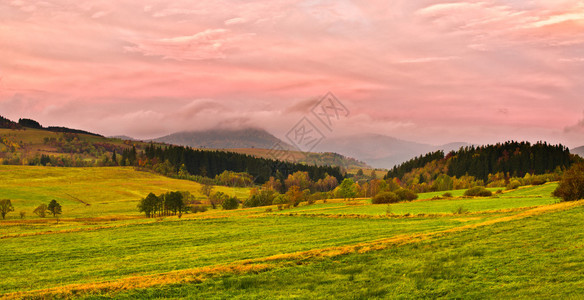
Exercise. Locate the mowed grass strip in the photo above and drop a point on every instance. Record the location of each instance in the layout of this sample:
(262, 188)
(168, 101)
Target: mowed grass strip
(42, 261)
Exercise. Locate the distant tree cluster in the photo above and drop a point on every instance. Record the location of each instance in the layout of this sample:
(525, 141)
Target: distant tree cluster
(6, 123)
(53, 208)
(515, 158)
(493, 166)
(29, 123)
(167, 204)
(512, 157)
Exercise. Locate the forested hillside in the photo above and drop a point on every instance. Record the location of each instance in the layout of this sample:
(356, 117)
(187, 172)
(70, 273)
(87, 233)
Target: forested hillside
(491, 165)
(212, 163)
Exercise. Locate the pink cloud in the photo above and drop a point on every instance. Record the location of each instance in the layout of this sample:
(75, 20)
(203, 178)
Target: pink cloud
(414, 69)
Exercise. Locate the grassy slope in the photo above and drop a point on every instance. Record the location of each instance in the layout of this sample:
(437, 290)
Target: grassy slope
(523, 197)
(108, 191)
(81, 251)
(106, 254)
(538, 257)
(32, 143)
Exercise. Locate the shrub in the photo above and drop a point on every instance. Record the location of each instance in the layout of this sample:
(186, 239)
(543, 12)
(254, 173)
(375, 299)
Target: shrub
(280, 199)
(385, 197)
(261, 198)
(406, 195)
(538, 181)
(513, 185)
(269, 209)
(230, 203)
(571, 185)
(478, 191)
(447, 195)
(198, 208)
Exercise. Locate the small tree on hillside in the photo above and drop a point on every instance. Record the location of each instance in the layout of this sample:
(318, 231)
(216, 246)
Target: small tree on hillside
(348, 189)
(41, 210)
(206, 190)
(175, 203)
(5, 207)
(148, 205)
(55, 209)
(294, 195)
(571, 186)
(217, 199)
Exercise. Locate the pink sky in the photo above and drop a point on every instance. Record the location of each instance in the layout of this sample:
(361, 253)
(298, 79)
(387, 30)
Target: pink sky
(427, 71)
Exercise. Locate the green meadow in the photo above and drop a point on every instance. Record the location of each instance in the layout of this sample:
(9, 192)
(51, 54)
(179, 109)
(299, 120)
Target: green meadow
(90, 192)
(519, 244)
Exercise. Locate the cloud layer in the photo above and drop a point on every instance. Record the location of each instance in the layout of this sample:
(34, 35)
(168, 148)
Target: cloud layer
(430, 71)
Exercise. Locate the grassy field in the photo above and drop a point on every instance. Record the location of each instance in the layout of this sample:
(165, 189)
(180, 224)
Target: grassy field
(539, 257)
(517, 244)
(90, 192)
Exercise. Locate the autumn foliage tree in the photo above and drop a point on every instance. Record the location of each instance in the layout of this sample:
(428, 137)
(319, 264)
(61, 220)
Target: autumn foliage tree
(571, 186)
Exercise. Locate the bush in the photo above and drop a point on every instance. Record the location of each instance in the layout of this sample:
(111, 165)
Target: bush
(478, 191)
(385, 197)
(513, 185)
(230, 203)
(262, 198)
(571, 185)
(538, 181)
(447, 195)
(280, 199)
(406, 195)
(198, 208)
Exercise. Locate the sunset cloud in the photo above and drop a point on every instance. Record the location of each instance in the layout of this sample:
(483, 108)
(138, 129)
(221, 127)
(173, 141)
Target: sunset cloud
(432, 71)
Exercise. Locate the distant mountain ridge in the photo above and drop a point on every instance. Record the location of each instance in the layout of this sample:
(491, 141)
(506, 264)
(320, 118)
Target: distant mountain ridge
(224, 139)
(578, 150)
(382, 151)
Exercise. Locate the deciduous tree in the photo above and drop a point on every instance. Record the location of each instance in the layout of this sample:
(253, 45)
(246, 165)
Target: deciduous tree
(5, 207)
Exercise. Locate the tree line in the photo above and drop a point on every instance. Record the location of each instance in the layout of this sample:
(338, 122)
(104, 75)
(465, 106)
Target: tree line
(514, 158)
(212, 163)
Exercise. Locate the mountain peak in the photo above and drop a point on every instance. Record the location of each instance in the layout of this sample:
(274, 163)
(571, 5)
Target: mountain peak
(224, 139)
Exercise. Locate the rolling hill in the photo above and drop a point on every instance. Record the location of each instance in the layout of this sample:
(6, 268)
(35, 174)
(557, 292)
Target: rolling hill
(256, 142)
(20, 144)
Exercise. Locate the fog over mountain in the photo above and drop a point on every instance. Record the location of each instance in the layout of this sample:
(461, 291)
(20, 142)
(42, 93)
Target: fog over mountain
(377, 150)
